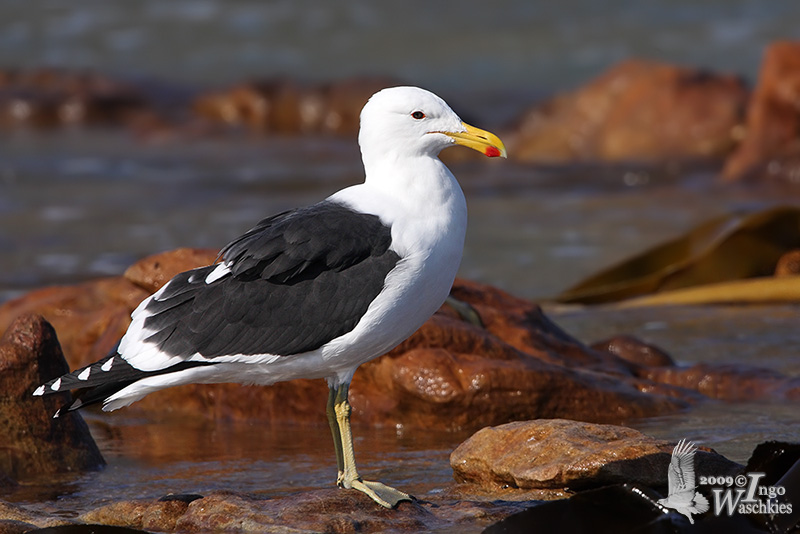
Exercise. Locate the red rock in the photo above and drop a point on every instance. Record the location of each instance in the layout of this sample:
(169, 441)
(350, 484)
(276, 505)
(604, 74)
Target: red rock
(637, 111)
(32, 443)
(771, 145)
(556, 454)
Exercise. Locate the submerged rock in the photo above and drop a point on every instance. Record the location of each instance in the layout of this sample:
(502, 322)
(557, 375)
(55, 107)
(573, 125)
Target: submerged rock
(637, 111)
(635, 351)
(329, 510)
(32, 443)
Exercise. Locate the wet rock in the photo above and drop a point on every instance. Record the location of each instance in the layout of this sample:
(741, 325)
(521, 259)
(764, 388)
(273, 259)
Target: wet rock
(329, 510)
(455, 375)
(605, 510)
(16, 519)
(771, 145)
(558, 454)
(614, 509)
(316, 511)
(10, 526)
(32, 443)
(775, 459)
(637, 111)
(734, 382)
(635, 351)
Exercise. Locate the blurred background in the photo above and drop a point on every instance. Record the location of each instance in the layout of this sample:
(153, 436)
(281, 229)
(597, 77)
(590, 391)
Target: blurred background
(532, 47)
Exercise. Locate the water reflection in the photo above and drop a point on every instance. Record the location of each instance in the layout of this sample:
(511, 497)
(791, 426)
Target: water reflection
(149, 459)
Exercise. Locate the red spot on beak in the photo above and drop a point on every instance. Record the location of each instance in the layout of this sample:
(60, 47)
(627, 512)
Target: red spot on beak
(492, 152)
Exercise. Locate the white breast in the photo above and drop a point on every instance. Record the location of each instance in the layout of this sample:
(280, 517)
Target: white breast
(428, 224)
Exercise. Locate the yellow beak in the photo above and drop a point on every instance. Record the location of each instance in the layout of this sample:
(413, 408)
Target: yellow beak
(484, 142)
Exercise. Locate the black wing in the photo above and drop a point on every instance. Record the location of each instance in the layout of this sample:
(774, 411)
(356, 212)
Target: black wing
(297, 280)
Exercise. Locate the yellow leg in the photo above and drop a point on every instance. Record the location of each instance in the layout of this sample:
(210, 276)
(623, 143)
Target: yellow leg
(348, 475)
(337, 437)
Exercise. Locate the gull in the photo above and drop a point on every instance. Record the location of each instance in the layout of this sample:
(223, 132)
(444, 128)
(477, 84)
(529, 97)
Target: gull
(316, 291)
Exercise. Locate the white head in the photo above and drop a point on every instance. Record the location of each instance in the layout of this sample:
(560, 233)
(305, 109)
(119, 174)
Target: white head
(402, 122)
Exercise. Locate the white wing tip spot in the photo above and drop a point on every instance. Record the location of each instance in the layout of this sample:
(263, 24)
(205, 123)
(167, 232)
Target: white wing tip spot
(218, 272)
(85, 374)
(56, 385)
(107, 366)
(39, 391)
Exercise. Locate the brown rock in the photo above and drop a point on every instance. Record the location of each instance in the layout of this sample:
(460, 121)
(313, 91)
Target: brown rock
(90, 317)
(11, 526)
(788, 264)
(154, 271)
(557, 454)
(345, 100)
(453, 374)
(771, 145)
(278, 106)
(637, 111)
(330, 510)
(14, 517)
(635, 351)
(32, 443)
(727, 382)
(52, 97)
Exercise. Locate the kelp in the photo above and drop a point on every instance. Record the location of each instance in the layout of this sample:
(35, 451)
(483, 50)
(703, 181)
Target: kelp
(710, 258)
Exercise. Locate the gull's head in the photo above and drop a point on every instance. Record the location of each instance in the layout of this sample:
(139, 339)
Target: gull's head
(410, 122)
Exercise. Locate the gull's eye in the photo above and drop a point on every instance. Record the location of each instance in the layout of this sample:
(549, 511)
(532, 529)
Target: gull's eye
(418, 115)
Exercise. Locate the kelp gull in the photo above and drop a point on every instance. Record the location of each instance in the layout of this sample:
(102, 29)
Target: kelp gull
(316, 291)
